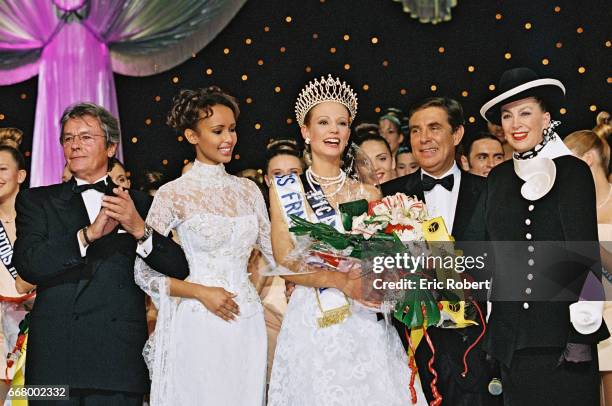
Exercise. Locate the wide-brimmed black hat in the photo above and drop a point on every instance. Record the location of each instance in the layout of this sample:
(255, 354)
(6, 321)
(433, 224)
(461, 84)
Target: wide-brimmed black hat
(521, 83)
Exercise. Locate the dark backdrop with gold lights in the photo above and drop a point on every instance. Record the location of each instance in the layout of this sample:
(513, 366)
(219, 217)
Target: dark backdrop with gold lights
(273, 47)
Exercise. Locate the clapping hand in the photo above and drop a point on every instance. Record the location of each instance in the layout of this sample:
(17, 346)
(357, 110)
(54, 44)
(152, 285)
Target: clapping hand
(102, 225)
(121, 209)
(219, 302)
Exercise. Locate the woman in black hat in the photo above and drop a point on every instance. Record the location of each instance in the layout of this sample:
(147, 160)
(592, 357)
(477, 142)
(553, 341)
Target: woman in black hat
(543, 338)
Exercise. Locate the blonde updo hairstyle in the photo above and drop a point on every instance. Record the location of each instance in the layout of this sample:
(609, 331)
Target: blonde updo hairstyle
(583, 141)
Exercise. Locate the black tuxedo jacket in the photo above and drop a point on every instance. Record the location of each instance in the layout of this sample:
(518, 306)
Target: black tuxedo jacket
(88, 324)
(566, 214)
(451, 344)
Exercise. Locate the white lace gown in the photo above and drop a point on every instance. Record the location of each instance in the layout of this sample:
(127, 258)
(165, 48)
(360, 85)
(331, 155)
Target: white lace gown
(360, 362)
(195, 357)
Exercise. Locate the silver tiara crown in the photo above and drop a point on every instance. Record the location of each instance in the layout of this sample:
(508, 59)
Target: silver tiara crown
(324, 90)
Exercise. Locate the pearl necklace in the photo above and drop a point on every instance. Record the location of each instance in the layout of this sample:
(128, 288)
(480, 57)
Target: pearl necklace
(339, 180)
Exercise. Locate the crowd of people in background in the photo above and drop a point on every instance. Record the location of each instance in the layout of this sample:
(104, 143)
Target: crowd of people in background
(231, 218)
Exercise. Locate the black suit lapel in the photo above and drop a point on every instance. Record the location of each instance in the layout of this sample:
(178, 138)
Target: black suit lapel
(466, 202)
(70, 207)
(413, 186)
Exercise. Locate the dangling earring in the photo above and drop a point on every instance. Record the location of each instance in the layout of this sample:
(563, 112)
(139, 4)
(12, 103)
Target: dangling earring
(307, 141)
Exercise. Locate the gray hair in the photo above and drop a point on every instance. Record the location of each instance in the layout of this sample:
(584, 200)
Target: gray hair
(108, 123)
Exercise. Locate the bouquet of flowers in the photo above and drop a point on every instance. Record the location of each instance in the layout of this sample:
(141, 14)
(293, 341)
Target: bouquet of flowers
(386, 227)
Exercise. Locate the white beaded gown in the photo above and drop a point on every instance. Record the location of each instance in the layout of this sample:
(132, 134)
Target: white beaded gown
(359, 362)
(195, 357)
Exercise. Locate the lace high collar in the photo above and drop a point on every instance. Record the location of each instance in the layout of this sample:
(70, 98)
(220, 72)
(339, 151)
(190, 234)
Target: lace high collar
(201, 169)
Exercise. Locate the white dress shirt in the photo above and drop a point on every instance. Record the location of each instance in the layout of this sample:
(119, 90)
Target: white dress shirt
(93, 203)
(442, 202)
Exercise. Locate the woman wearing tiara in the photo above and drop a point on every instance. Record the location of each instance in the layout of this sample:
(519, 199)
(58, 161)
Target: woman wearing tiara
(209, 345)
(355, 361)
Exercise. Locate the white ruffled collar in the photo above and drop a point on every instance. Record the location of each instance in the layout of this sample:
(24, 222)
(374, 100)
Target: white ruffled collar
(539, 172)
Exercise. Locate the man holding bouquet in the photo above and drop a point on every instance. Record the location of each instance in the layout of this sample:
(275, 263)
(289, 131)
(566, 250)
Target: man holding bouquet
(435, 130)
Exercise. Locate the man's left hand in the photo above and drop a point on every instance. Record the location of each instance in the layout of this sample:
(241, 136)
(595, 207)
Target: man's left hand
(121, 208)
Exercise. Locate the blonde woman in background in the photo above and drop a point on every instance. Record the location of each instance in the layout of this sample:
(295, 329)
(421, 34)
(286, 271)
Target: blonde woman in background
(595, 151)
(12, 287)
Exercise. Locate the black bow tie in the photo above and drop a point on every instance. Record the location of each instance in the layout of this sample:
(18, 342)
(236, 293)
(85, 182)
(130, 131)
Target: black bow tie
(99, 186)
(447, 182)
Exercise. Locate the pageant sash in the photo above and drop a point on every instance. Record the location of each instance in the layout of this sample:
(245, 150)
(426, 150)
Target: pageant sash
(6, 252)
(294, 193)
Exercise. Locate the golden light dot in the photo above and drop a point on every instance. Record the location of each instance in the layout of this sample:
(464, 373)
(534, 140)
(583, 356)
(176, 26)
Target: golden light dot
(134, 140)
(441, 50)
(266, 28)
(491, 87)
(249, 100)
(315, 36)
(579, 30)
(433, 88)
(257, 126)
(226, 51)
(185, 161)
(28, 153)
(157, 98)
(507, 55)
(559, 44)
(244, 77)
(472, 119)
(471, 68)
(289, 120)
(209, 71)
(179, 138)
(260, 62)
(581, 69)
(277, 89)
(248, 41)
(464, 93)
(366, 87)
(165, 162)
(545, 61)
(237, 156)
(175, 79)
(377, 109)
(346, 37)
(1, 116)
(385, 63)
(498, 16)
(288, 19)
(347, 66)
(608, 44)
(562, 110)
(282, 50)
(593, 107)
(527, 26)
(332, 50)
(148, 121)
(308, 69)
(557, 9)
(23, 96)
(403, 92)
(374, 40)
(609, 80)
